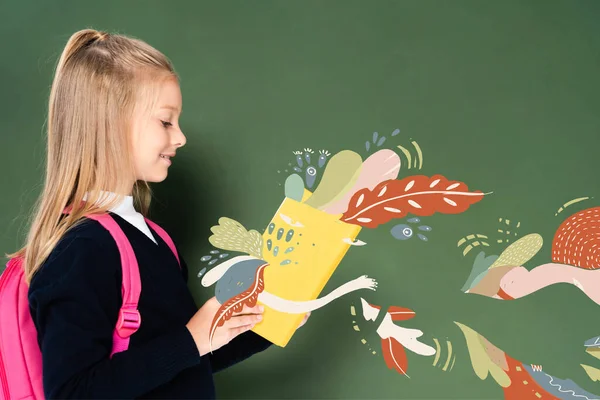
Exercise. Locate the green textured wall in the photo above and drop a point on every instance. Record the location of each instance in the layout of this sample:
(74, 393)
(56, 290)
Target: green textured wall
(501, 95)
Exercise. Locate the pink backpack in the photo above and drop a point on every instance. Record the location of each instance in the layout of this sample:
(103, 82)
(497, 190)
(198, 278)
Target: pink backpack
(20, 356)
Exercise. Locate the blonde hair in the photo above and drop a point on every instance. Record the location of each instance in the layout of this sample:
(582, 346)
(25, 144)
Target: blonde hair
(101, 81)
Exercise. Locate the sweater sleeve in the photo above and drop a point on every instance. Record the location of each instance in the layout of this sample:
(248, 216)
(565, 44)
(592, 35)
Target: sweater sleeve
(239, 349)
(184, 268)
(74, 301)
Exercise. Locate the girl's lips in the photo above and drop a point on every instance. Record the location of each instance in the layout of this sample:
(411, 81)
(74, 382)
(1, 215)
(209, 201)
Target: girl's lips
(166, 158)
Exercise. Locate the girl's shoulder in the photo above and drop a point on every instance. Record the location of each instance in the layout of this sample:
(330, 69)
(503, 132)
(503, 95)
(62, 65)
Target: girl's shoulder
(86, 252)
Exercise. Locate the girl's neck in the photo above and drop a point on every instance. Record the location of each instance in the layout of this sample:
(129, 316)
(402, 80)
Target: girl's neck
(107, 196)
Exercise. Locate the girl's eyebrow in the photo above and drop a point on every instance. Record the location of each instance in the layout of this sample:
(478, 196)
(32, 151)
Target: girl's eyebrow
(172, 108)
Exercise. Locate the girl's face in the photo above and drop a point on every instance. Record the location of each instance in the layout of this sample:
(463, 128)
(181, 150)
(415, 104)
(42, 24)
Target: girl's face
(155, 144)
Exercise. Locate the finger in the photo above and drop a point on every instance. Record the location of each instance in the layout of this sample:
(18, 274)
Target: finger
(239, 330)
(243, 320)
(257, 309)
(212, 301)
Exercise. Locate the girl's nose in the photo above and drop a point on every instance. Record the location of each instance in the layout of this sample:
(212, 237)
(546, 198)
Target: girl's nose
(180, 139)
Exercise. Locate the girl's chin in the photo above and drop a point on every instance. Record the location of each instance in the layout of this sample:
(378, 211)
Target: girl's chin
(158, 176)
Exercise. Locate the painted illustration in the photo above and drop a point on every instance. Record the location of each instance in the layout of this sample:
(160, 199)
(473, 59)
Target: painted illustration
(328, 201)
(575, 259)
(592, 347)
(394, 338)
(519, 381)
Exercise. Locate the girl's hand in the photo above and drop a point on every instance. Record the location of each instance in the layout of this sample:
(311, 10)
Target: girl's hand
(240, 322)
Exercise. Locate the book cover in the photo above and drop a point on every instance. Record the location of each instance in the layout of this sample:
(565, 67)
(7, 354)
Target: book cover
(303, 247)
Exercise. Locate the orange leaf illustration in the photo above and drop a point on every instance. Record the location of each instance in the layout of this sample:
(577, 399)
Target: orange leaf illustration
(394, 355)
(397, 313)
(576, 240)
(418, 195)
(400, 313)
(374, 306)
(248, 297)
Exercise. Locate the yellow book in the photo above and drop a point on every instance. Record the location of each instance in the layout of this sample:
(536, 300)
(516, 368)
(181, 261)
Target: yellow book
(303, 247)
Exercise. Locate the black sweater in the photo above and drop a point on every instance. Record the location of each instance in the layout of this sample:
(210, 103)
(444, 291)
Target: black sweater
(75, 298)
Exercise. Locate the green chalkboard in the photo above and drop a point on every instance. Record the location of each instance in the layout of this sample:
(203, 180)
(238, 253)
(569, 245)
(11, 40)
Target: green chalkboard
(501, 95)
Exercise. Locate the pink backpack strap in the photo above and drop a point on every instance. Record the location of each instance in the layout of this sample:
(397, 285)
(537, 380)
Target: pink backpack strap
(129, 319)
(165, 236)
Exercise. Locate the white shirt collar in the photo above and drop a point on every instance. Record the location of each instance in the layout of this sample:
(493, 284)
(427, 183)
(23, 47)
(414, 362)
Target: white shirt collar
(126, 210)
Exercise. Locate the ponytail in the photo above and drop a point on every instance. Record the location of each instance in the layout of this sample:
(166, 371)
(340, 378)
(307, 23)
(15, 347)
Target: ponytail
(79, 40)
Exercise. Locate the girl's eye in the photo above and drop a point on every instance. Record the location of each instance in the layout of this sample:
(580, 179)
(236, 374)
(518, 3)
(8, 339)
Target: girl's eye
(166, 124)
